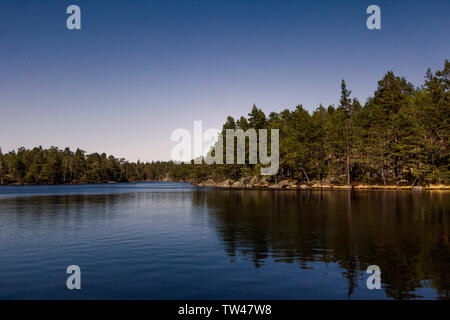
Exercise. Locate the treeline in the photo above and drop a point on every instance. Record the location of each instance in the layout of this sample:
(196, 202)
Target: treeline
(55, 166)
(400, 135)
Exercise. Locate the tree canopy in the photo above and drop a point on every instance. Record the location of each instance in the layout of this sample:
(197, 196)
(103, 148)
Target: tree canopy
(400, 134)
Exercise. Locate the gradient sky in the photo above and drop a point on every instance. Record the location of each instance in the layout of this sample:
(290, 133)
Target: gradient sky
(140, 69)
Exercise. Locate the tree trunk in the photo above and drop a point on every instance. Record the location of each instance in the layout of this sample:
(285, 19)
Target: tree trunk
(348, 154)
(305, 174)
(348, 170)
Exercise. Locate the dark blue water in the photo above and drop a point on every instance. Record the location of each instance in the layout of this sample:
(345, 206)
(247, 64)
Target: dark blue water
(174, 241)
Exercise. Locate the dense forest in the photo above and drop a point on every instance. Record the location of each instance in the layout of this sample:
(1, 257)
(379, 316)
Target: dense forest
(399, 135)
(55, 166)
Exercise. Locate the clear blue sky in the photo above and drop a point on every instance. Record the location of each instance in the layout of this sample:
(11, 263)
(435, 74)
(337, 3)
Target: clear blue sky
(140, 69)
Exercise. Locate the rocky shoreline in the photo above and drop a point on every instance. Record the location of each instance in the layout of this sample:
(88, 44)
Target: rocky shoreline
(268, 182)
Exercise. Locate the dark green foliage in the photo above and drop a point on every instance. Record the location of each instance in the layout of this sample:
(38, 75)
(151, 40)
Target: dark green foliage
(400, 135)
(54, 166)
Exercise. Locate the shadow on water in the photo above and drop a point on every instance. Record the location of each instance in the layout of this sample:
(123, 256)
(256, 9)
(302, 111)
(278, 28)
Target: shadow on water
(405, 233)
(170, 237)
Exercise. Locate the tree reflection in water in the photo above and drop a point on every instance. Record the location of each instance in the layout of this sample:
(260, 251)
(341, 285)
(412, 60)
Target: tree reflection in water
(405, 233)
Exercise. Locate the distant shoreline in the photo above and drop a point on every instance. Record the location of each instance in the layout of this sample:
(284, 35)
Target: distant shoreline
(248, 184)
(263, 184)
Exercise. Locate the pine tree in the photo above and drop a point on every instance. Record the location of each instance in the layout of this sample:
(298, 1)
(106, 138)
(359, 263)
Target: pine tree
(345, 104)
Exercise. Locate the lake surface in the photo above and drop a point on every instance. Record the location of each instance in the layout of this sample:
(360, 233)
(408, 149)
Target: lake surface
(175, 241)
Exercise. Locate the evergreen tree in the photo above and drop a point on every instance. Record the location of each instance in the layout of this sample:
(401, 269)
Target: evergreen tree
(400, 135)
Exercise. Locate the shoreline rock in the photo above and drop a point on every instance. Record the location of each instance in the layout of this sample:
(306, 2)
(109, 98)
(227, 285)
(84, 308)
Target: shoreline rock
(267, 183)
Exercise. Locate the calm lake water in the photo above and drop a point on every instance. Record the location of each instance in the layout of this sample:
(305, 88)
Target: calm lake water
(174, 241)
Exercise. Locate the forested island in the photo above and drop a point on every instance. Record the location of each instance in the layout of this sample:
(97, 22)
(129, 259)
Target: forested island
(398, 137)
